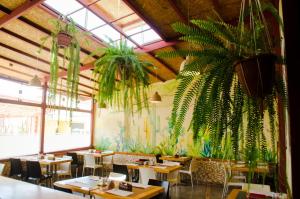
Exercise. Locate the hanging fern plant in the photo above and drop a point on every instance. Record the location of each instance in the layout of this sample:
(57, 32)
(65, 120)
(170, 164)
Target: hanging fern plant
(122, 77)
(209, 84)
(64, 41)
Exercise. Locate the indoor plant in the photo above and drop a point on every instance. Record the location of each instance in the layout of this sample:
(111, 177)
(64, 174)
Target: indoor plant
(211, 82)
(122, 77)
(64, 43)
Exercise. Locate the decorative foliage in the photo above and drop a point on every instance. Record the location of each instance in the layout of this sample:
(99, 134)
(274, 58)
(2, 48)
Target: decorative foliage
(71, 61)
(209, 86)
(122, 77)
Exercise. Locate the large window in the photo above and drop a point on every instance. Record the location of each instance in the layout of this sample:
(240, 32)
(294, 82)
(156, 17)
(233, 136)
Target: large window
(62, 133)
(19, 130)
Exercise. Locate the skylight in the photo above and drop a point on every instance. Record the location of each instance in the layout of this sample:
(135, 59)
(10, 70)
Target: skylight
(119, 15)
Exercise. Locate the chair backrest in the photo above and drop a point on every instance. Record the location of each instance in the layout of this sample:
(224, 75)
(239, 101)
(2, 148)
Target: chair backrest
(108, 159)
(89, 160)
(157, 158)
(164, 184)
(74, 157)
(117, 176)
(146, 173)
(15, 167)
(33, 169)
(65, 166)
(193, 165)
(62, 189)
(117, 168)
(256, 188)
(1, 168)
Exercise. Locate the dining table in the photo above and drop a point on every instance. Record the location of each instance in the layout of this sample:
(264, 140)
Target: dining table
(88, 185)
(181, 159)
(11, 188)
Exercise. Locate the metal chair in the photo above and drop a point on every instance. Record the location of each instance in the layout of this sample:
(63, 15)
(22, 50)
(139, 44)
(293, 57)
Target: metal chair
(90, 162)
(121, 169)
(165, 184)
(146, 174)
(75, 162)
(34, 173)
(16, 170)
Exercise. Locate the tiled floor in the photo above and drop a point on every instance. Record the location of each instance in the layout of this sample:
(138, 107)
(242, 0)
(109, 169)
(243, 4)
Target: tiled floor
(183, 191)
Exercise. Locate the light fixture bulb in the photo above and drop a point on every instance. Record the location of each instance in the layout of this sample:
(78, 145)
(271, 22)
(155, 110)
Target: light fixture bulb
(156, 98)
(35, 81)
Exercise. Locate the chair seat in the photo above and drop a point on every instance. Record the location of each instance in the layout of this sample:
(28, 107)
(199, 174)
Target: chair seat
(93, 166)
(236, 184)
(185, 171)
(63, 172)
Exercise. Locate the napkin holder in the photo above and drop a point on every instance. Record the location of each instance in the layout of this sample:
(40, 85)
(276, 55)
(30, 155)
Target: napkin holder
(125, 186)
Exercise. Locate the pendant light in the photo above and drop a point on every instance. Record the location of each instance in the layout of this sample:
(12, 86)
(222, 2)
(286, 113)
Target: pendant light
(35, 81)
(156, 98)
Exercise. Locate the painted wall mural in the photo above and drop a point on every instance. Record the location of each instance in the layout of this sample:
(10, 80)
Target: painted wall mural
(146, 132)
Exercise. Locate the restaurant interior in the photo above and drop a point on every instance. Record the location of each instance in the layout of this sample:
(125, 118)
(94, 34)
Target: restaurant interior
(141, 99)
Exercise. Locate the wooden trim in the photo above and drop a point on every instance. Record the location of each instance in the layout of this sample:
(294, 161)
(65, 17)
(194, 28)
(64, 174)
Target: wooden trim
(9, 101)
(43, 118)
(19, 11)
(68, 150)
(93, 112)
(291, 17)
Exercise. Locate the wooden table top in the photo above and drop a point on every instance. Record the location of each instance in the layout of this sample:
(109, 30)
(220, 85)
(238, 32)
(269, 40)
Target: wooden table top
(174, 159)
(11, 188)
(157, 168)
(263, 169)
(233, 194)
(46, 162)
(99, 155)
(138, 193)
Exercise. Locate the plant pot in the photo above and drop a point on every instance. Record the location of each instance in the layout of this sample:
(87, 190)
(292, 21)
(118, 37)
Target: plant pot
(64, 39)
(256, 74)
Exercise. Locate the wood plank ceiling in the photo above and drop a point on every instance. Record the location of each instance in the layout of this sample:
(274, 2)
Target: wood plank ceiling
(20, 36)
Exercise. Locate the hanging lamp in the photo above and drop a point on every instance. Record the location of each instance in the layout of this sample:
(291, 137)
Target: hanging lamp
(35, 81)
(156, 98)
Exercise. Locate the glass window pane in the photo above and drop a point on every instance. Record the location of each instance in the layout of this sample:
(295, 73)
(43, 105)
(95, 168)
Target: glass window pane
(83, 103)
(21, 92)
(146, 37)
(93, 21)
(66, 134)
(19, 130)
(79, 17)
(64, 7)
(106, 33)
(137, 29)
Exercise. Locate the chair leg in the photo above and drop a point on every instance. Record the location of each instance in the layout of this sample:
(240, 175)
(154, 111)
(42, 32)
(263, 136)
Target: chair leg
(192, 181)
(76, 170)
(82, 171)
(94, 171)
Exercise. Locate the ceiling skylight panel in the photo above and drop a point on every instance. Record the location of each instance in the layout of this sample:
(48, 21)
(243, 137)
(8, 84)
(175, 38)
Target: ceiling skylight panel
(93, 21)
(79, 17)
(64, 7)
(137, 29)
(106, 33)
(145, 37)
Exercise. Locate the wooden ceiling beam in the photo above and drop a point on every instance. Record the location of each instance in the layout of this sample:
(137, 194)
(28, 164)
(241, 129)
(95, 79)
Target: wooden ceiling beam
(19, 11)
(135, 8)
(33, 68)
(172, 70)
(178, 11)
(40, 28)
(41, 60)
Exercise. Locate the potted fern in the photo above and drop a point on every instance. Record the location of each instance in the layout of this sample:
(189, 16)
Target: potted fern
(64, 41)
(209, 85)
(122, 77)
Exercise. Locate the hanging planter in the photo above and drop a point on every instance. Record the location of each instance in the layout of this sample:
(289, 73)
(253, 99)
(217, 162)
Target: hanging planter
(256, 75)
(64, 39)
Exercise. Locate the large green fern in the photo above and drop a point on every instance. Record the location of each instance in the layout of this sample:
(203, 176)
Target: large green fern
(210, 86)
